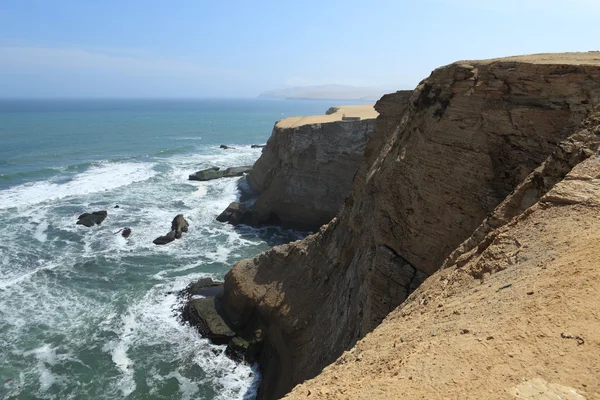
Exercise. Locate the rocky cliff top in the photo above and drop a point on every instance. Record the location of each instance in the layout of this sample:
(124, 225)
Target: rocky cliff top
(581, 58)
(333, 115)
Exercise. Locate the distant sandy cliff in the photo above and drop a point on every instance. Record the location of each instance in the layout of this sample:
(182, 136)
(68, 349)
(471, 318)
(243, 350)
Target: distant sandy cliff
(304, 173)
(325, 92)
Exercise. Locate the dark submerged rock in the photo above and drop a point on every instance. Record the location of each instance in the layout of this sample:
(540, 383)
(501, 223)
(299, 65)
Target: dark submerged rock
(126, 232)
(178, 226)
(214, 173)
(168, 238)
(258, 146)
(89, 220)
(225, 147)
(238, 213)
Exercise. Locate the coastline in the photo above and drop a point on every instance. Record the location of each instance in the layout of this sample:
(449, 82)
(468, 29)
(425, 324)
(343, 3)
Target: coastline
(479, 128)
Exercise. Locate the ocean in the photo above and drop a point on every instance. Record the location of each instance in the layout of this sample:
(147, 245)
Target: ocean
(86, 313)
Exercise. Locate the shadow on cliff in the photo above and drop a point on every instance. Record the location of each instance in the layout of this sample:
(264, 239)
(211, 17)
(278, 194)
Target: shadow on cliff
(272, 235)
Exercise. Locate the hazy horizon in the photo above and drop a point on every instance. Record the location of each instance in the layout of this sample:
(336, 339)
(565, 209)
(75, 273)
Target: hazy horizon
(187, 50)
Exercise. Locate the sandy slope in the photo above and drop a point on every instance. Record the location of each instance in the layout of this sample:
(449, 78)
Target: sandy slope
(520, 320)
(363, 112)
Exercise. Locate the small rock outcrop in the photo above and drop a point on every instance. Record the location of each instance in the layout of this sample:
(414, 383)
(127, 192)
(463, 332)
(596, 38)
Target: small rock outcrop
(178, 227)
(224, 147)
(258, 146)
(202, 309)
(91, 219)
(215, 173)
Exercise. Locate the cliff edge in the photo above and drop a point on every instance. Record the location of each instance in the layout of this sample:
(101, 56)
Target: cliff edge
(469, 135)
(304, 173)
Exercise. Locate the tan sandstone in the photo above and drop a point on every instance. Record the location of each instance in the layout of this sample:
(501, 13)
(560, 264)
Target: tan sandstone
(469, 135)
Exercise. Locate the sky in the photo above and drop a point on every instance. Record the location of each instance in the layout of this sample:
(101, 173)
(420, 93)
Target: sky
(240, 48)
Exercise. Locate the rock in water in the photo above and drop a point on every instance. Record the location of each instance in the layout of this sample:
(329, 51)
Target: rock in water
(168, 238)
(232, 214)
(126, 232)
(179, 225)
(225, 147)
(95, 218)
(258, 146)
(206, 316)
(238, 213)
(214, 173)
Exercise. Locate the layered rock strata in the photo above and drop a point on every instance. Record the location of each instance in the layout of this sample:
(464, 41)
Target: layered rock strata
(304, 173)
(514, 317)
(470, 133)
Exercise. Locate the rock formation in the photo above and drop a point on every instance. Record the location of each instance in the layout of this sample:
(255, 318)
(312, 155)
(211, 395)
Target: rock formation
(305, 170)
(89, 220)
(516, 316)
(435, 168)
(178, 226)
(215, 173)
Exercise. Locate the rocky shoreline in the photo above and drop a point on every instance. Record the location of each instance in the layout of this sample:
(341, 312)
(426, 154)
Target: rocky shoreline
(466, 145)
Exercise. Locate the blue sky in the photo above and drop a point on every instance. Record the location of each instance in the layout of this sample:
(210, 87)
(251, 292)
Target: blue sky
(240, 48)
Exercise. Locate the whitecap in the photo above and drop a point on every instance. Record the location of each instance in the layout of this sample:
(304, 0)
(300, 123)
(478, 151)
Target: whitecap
(99, 178)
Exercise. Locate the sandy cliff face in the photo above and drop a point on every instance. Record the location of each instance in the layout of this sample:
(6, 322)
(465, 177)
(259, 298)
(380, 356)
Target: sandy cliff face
(468, 136)
(305, 171)
(517, 316)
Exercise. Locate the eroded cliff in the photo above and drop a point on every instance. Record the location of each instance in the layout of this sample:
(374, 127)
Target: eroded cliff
(304, 173)
(469, 134)
(517, 316)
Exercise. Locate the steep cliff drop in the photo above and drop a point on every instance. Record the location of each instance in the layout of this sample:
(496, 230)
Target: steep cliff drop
(305, 171)
(469, 134)
(517, 317)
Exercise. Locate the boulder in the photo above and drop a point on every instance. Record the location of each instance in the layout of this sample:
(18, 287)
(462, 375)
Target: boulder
(179, 225)
(239, 213)
(214, 173)
(126, 232)
(232, 214)
(226, 147)
(206, 316)
(168, 238)
(258, 146)
(95, 218)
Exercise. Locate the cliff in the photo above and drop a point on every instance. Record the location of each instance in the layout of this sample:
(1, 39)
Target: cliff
(517, 316)
(304, 173)
(472, 132)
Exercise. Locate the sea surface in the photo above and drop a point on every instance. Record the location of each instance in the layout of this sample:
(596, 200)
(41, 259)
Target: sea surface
(86, 313)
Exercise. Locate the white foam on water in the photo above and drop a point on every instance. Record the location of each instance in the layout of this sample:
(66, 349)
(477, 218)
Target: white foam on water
(46, 356)
(98, 178)
(13, 281)
(152, 322)
(148, 320)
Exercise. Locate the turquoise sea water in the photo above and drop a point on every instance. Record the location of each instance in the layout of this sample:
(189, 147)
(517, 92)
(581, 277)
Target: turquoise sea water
(85, 313)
